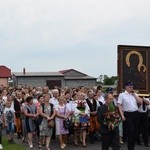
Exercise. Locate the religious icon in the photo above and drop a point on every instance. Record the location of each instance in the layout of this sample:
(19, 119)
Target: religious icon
(136, 69)
(133, 66)
(140, 60)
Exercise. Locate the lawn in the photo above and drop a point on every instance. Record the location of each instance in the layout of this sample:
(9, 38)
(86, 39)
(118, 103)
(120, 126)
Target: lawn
(7, 146)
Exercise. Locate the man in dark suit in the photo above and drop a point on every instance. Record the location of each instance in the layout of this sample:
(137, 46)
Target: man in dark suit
(109, 131)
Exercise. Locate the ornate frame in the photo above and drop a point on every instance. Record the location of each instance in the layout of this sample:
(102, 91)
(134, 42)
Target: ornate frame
(134, 65)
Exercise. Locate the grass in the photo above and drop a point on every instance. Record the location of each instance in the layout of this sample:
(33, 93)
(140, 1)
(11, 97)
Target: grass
(7, 146)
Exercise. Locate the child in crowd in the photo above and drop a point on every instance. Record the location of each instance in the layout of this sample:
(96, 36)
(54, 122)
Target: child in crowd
(9, 118)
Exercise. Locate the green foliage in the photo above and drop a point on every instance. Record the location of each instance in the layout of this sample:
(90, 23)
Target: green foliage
(111, 107)
(7, 146)
(109, 80)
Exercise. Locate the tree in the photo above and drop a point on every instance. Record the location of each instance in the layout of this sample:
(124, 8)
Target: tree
(100, 78)
(109, 80)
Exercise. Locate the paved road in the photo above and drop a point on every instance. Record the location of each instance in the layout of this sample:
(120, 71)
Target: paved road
(97, 146)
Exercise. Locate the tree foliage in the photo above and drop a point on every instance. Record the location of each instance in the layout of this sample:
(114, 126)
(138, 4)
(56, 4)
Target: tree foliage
(109, 80)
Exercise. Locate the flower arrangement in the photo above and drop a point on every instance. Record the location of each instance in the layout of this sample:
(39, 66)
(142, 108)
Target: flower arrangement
(112, 117)
(81, 105)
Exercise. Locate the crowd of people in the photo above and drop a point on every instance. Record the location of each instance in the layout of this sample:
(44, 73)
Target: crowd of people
(41, 113)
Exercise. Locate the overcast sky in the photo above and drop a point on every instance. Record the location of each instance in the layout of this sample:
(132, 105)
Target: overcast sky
(52, 35)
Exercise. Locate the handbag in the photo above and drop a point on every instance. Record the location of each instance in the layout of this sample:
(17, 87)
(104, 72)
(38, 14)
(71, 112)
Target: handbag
(51, 123)
(68, 123)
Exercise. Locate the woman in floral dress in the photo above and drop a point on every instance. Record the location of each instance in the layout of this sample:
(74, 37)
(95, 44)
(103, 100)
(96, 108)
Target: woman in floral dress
(47, 112)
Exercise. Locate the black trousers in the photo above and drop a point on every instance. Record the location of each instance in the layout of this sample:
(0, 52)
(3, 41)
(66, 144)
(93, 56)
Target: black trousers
(143, 127)
(132, 120)
(124, 131)
(110, 138)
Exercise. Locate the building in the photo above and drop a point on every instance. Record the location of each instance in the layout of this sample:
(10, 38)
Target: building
(64, 78)
(5, 75)
(74, 78)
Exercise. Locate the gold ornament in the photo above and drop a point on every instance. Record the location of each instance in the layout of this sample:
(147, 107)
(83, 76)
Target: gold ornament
(140, 60)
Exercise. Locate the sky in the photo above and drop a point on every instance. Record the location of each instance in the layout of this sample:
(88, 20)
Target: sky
(53, 35)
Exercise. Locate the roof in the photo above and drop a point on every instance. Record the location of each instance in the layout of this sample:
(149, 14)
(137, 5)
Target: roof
(61, 73)
(27, 74)
(80, 78)
(67, 70)
(5, 72)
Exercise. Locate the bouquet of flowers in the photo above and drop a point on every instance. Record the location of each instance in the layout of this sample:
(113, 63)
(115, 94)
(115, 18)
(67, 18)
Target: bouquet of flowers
(112, 117)
(81, 105)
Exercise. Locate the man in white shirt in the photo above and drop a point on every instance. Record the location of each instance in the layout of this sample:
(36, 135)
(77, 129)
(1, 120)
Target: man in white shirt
(128, 102)
(54, 99)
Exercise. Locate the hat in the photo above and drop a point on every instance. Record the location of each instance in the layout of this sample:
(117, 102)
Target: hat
(129, 83)
(109, 90)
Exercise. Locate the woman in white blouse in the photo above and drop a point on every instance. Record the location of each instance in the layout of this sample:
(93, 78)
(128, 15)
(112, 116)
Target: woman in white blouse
(81, 118)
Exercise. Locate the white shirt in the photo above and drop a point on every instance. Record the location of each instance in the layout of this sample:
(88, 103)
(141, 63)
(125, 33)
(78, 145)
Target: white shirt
(35, 101)
(71, 105)
(4, 99)
(9, 114)
(115, 101)
(54, 101)
(128, 102)
(141, 106)
(101, 99)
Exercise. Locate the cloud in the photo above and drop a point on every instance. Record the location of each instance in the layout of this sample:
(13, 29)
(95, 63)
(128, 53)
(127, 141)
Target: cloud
(62, 34)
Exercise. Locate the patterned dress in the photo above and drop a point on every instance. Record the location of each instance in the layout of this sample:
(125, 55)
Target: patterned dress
(45, 130)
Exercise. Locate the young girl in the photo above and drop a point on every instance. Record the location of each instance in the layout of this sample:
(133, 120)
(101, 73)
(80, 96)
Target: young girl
(9, 117)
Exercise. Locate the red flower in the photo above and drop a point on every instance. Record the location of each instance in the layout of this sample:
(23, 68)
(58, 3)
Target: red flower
(112, 119)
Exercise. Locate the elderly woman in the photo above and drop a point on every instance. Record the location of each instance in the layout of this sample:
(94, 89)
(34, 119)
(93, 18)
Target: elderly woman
(30, 116)
(81, 118)
(47, 112)
(62, 113)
